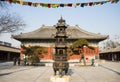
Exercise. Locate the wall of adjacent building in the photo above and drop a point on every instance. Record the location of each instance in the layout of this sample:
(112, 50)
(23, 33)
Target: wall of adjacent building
(89, 53)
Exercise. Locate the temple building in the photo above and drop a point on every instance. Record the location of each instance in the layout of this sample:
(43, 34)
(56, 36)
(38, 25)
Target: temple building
(7, 52)
(44, 36)
(110, 54)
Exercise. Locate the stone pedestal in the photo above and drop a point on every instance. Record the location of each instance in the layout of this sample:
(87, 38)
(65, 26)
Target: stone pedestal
(57, 78)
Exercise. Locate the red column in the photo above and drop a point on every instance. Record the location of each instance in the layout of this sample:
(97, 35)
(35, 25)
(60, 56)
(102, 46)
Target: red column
(21, 52)
(97, 50)
(50, 50)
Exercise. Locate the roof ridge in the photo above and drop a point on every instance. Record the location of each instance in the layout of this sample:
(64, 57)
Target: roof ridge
(42, 27)
(87, 32)
(47, 31)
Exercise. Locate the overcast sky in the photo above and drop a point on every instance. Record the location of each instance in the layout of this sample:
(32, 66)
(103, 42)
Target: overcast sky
(104, 19)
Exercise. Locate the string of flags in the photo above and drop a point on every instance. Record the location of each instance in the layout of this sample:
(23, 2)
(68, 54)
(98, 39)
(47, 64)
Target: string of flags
(56, 5)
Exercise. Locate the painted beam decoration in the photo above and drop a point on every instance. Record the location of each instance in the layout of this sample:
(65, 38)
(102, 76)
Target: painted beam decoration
(57, 5)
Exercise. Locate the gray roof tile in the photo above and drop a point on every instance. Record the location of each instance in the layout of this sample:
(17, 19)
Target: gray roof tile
(48, 32)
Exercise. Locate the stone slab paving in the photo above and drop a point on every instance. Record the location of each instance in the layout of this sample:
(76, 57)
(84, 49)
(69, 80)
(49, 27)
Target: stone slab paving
(94, 74)
(10, 73)
(113, 66)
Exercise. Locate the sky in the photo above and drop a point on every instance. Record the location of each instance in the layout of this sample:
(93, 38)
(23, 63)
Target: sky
(104, 19)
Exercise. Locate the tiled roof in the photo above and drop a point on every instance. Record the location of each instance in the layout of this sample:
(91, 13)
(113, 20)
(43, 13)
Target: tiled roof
(117, 49)
(9, 49)
(48, 32)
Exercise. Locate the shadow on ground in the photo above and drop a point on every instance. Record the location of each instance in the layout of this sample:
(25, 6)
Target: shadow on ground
(111, 69)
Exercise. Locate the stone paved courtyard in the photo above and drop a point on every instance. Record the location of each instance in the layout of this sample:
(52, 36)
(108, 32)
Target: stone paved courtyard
(105, 72)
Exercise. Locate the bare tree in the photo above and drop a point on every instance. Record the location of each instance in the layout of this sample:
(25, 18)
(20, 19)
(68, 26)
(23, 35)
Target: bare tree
(112, 44)
(9, 22)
